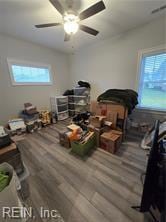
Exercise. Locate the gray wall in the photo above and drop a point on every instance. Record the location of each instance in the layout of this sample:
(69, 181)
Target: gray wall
(12, 98)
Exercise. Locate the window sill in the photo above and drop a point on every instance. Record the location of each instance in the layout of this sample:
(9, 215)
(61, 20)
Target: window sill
(152, 111)
(32, 84)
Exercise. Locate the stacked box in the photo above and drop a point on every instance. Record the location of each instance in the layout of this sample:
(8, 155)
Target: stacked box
(64, 140)
(115, 112)
(97, 121)
(117, 132)
(45, 117)
(98, 132)
(98, 108)
(112, 117)
(110, 142)
(34, 126)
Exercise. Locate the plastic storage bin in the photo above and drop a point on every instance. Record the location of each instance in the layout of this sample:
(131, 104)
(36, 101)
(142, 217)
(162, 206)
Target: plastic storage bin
(83, 149)
(72, 113)
(62, 100)
(83, 91)
(80, 100)
(59, 105)
(71, 98)
(71, 106)
(62, 108)
(64, 115)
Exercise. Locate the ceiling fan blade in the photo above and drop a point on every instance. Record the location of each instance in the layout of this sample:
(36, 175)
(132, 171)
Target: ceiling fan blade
(89, 30)
(67, 37)
(47, 25)
(58, 6)
(94, 9)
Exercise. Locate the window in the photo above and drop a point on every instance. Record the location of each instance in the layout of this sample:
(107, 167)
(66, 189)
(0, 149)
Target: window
(26, 73)
(152, 83)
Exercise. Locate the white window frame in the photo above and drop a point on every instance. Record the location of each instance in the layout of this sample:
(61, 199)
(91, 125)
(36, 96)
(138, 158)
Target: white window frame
(150, 51)
(11, 62)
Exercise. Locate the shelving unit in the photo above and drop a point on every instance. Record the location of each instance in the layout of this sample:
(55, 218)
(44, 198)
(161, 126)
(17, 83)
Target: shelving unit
(80, 101)
(59, 105)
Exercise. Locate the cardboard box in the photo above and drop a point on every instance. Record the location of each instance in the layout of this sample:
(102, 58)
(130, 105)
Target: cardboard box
(97, 121)
(106, 108)
(117, 132)
(30, 109)
(103, 109)
(112, 117)
(110, 142)
(117, 108)
(73, 127)
(94, 108)
(98, 132)
(98, 108)
(64, 140)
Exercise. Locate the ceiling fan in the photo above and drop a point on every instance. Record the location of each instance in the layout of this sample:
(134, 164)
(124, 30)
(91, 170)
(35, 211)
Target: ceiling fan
(71, 19)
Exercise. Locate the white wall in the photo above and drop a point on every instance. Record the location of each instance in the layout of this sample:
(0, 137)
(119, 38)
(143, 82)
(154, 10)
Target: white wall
(12, 98)
(112, 63)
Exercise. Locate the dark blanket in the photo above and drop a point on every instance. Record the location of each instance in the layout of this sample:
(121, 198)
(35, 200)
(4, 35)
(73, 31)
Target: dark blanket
(126, 97)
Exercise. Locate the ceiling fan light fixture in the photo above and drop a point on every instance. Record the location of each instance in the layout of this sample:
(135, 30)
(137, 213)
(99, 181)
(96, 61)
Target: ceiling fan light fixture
(71, 19)
(71, 24)
(71, 27)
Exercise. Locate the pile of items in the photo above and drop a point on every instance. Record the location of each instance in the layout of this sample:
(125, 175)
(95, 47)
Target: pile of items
(126, 97)
(30, 120)
(81, 141)
(45, 117)
(15, 127)
(107, 137)
(96, 131)
(30, 115)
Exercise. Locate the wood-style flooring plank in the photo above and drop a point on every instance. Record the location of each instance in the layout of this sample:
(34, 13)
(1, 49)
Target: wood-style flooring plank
(102, 187)
(108, 209)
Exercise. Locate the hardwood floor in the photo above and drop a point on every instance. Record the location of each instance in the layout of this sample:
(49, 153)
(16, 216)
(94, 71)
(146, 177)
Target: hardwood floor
(102, 187)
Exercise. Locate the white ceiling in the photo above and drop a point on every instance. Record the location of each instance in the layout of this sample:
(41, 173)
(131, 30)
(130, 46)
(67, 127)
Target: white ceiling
(18, 17)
